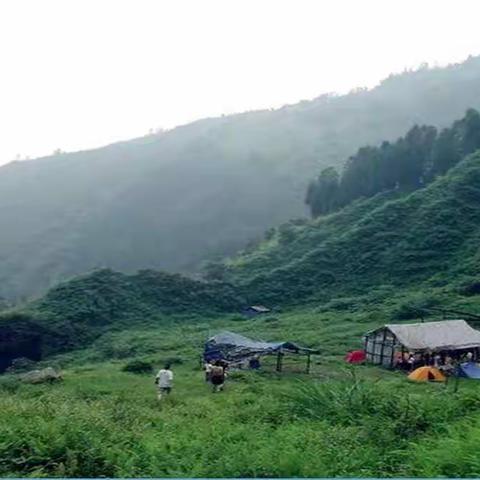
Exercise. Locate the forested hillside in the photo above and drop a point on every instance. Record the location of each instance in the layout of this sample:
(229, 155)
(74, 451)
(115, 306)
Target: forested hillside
(74, 313)
(405, 165)
(173, 200)
(391, 241)
(376, 247)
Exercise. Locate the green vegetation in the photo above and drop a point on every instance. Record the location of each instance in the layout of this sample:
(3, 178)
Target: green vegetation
(75, 313)
(409, 163)
(338, 421)
(371, 250)
(138, 366)
(379, 259)
(198, 192)
(387, 243)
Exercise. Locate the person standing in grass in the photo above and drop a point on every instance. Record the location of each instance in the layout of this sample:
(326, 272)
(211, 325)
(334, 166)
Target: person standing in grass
(164, 381)
(217, 376)
(208, 368)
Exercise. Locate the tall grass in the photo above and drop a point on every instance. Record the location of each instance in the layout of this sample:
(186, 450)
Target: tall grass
(388, 417)
(366, 422)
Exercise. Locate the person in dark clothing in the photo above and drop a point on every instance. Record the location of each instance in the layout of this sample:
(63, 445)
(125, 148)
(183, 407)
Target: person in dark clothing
(254, 362)
(217, 376)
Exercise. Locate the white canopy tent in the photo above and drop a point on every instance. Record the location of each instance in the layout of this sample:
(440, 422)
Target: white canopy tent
(446, 335)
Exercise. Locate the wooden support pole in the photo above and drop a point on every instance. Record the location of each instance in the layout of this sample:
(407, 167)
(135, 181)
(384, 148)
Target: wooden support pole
(374, 353)
(392, 356)
(308, 364)
(382, 348)
(457, 382)
(279, 361)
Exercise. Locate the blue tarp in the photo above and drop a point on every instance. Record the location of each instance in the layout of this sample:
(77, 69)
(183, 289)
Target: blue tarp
(232, 346)
(469, 370)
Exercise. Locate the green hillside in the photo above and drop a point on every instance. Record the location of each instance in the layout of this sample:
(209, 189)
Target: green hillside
(338, 421)
(200, 191)
(394, 240)
(75, 313)
(372, 250)
(333, 279)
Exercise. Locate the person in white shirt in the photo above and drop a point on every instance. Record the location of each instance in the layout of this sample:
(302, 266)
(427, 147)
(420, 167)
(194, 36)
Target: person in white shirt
(208, 368)
(164, 380)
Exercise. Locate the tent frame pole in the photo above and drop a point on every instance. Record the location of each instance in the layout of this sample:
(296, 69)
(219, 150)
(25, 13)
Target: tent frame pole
(374, 353)
(382, 348)
(394, 342)
(279, 361)
(307, 369)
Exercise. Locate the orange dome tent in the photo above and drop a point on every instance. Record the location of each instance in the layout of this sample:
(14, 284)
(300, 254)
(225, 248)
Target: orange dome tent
(427, 374)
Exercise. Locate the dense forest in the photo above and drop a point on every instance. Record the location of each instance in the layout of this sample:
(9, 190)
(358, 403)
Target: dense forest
(175, 199)
(407, 164)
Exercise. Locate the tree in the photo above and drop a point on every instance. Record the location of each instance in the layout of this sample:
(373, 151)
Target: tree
(408, 163)
(214, 271)
(416, 149)
(322, 194)
(446, 152)
(471, 131)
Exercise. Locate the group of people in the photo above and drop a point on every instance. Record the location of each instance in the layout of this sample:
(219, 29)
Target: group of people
(445, 362)
(215, 374)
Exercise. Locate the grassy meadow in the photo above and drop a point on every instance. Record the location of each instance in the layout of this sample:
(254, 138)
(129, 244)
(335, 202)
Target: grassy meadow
(337, 421)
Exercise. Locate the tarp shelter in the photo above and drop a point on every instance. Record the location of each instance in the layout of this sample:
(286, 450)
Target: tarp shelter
(255, 310)
(443, 336)
(234, 347)
(469, 370)
(357, 356)
(427, 374)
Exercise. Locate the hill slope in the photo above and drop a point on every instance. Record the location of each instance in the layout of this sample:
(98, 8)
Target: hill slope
(392, 242)
(76, 312)
(171, 201)
(432, 234)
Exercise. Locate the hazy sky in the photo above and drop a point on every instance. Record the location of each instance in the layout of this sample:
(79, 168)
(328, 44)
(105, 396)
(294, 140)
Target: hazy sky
(78, 73)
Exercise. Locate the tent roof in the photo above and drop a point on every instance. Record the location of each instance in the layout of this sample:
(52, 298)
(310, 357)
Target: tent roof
(259, 308)
(470, 370)
(234, 345)
(443, 335)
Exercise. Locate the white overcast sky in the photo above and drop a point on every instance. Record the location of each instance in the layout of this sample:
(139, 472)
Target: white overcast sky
(82, 73)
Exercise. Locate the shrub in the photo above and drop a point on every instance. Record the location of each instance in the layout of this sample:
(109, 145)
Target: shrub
(270, 319)
(173, 361)
(384, 414)
(342, 304)
(414, 308)
(470, 289)
(21, 364)
(9, 384)
(270, 233)
(138, 366)
(286, 234)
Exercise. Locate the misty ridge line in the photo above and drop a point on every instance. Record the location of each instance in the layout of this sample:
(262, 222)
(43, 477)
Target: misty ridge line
(179, 200)
(156, 132)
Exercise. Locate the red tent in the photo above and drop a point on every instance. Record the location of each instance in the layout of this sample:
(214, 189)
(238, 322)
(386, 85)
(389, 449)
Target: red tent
(357, 356)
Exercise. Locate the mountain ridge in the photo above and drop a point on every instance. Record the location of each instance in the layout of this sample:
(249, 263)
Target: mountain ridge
(203, 190)
(375, 248)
